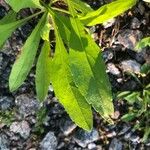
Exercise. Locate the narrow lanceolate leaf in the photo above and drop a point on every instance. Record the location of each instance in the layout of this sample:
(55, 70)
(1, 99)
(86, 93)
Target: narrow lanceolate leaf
(43, 71)
(7, 29)
(25, 60)
(20, 4)
(88, 69)
(74, 103)
(107, 12)
(8, 25)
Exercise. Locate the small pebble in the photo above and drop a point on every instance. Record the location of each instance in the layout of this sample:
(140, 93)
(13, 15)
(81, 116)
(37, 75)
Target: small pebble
(116, 144)
(129, 38)
(27, 105)
(92, 146)
(49, 142)
(113, 69)
(135, 24)
(6, 103)
(112, 134)
(107, 55)
(22, 128)
(125, 128)
(130, 66)
(4, 142)
(67, 126)
(83, 138)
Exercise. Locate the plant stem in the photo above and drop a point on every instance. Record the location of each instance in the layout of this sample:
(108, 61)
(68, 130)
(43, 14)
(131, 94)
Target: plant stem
(61, 10)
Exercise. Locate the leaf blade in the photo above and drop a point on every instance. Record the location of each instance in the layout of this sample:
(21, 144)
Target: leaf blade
(43, 67)
(7, 29)
(24, 63)
(107, 12)
(84, 62)
(17, 5)
(74, 103)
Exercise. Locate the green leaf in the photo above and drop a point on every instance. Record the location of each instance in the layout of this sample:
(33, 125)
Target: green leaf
(10, 17)
(143, 43)
(146, 133)
(132, 98)
(145, 69)
(128, 117)
(74, 103)
(46, 30)
(123, 94)
(88, 68)
(81, 6)
(107, 12)
(25, 60)
(7, 29)
(89, 72)
(43, 72)
(20, 4)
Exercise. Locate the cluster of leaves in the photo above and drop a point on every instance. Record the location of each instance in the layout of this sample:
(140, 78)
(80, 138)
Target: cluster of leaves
(139, 101)
(76, 69)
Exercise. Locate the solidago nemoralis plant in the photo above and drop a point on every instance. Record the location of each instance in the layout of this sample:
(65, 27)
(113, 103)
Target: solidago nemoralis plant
(76, 69)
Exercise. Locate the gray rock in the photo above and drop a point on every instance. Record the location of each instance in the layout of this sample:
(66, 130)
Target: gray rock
(83, 138)
(135, 139)
(107, 55)
(21, 128)
(4, 142)
(113, 69)
(92, 146)
(49, 142)
(127, 136)
(124, 130)
(111, 134)
(27, 105)
(135, 24)
(6, 102)
(130, 66)
(67, 126)
(116, 145)
(129, 38)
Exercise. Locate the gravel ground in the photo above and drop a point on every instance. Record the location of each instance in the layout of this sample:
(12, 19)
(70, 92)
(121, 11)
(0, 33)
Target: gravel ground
(18, 110)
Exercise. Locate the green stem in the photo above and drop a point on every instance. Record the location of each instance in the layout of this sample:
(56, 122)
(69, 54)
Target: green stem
(54, 8)
(32, 16)
(53, 1)
(61, 10)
